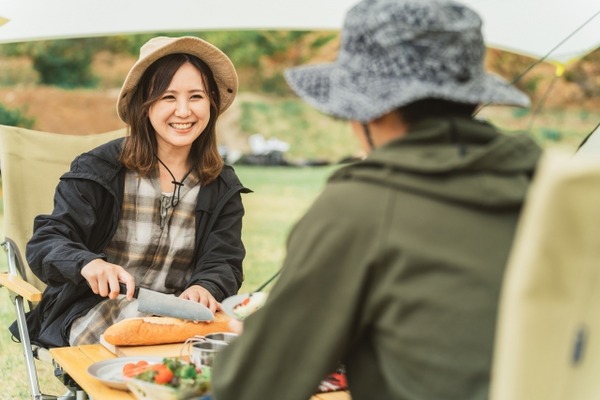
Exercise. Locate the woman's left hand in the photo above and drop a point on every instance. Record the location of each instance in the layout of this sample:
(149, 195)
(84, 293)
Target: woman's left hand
(200, 295)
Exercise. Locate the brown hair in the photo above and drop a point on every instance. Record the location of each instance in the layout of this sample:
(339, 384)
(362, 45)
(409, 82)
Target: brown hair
(140, 147)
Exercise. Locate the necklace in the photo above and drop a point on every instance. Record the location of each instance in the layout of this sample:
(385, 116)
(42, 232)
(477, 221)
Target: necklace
(176, 184)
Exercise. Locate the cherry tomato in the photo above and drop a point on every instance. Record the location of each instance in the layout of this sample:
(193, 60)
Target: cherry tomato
(129, 369)
(163, 374)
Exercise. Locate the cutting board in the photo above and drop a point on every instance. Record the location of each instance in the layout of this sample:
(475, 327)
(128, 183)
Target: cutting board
(160, 350)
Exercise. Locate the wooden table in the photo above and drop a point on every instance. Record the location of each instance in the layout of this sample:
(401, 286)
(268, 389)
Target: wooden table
(76, 360)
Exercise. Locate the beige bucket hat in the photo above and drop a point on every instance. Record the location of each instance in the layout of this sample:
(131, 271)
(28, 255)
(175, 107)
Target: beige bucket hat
(220, 65)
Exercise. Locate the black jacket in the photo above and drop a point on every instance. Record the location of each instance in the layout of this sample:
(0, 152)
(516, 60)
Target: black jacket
(87, 206)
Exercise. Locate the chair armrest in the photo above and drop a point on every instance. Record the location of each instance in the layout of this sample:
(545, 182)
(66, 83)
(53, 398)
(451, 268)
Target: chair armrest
(21, 287)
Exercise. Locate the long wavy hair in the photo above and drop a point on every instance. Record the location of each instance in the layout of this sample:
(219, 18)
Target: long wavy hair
(140, 147)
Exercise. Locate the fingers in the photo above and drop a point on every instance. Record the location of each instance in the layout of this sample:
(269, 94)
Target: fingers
(200, 295)
(129, 281)
(212, 305)
(113, 286)
(104, 277)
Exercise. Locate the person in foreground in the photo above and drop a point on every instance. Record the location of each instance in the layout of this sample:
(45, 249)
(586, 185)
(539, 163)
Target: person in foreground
(396, 268)
(157, 209)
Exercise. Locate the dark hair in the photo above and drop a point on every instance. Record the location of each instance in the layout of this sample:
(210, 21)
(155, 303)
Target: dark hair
(140, 148)
(427, 108)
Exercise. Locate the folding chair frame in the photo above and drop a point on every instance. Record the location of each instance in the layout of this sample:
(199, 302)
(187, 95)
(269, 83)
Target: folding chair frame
(21, 292)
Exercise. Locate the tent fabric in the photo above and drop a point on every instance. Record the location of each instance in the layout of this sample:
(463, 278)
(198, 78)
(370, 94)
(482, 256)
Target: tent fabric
(532, 27)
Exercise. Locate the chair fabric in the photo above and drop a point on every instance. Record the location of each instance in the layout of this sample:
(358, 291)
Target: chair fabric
(31, 163)
(548, 334)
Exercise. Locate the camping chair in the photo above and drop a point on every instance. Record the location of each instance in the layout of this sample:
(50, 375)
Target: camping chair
(548, 333)
(31, 163)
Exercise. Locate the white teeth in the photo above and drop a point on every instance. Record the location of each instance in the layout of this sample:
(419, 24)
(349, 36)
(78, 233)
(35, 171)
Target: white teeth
(182, 126)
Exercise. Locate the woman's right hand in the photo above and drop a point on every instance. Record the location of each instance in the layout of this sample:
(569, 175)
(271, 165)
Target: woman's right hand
(104, 277)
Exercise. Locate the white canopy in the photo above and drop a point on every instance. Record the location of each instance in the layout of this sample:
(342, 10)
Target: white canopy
(530, 27)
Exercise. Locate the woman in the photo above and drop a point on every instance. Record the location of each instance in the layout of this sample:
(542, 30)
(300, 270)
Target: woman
(157, 209)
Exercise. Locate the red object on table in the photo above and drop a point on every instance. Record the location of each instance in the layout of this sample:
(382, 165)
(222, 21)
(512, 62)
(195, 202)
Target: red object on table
(334, 381)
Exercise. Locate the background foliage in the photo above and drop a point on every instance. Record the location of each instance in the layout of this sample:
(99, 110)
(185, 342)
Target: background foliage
(14, 117)
(67, 63)
(564, 108)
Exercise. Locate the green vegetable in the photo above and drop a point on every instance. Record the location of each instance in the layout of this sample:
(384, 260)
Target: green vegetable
(186, 377)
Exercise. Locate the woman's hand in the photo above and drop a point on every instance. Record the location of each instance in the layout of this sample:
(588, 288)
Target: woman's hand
(104, 277)
(200, 295)
(236, 326)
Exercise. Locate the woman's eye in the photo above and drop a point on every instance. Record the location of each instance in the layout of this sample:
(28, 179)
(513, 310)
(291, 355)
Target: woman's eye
(197, 97)
(168, 97)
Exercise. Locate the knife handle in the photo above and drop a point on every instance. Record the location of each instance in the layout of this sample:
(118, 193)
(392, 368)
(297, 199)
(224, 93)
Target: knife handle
(123, 290)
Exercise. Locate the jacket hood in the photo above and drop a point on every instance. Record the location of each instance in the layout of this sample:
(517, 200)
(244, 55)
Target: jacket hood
(443, 157)
(104, 169)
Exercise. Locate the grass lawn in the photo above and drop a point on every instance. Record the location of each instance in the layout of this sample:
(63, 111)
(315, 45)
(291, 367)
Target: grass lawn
(281, 195)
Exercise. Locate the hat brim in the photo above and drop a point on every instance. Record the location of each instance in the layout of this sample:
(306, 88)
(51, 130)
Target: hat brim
(221, 66)
(333, 90)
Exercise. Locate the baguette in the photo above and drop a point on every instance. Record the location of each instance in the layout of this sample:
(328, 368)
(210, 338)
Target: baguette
(145, 331)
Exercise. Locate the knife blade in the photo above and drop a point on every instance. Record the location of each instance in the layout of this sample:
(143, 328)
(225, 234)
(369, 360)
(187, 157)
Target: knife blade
(168, 305)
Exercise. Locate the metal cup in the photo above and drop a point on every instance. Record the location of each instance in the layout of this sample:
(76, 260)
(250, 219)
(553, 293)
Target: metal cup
(204, 353)
(220, 337)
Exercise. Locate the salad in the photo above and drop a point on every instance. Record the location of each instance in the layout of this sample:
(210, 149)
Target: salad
(183, 378)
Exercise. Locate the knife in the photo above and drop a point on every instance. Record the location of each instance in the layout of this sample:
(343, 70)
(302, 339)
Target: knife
(167, 305)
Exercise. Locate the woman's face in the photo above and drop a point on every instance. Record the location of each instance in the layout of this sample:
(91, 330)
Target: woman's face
(181, 114)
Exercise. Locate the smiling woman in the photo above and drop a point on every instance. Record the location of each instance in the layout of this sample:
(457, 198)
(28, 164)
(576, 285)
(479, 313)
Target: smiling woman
(145, 222)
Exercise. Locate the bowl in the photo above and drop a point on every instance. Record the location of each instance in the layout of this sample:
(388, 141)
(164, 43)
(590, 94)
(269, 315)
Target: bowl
(242, 305)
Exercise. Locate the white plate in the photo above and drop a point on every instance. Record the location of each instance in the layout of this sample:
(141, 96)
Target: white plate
(229, 305)
(110, 371)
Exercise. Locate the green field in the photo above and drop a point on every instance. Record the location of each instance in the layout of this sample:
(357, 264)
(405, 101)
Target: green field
(281, 195)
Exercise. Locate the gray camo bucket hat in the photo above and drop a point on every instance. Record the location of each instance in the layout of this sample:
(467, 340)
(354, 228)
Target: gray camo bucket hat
(395, 52)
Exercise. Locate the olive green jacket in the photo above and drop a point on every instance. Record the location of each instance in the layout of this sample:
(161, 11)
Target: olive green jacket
(394, 271)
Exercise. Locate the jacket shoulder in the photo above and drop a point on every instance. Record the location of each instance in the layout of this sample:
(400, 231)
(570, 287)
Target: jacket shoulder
(110, 150)
(231, 180)
(100, 161)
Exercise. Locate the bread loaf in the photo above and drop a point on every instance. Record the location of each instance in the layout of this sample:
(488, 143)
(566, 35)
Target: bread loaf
(161, 330)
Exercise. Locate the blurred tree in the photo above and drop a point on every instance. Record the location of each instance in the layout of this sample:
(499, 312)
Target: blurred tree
(65, 63)
(259, 55)
(586, 74)
(14, 117)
